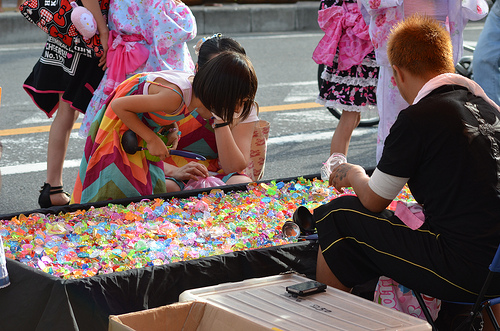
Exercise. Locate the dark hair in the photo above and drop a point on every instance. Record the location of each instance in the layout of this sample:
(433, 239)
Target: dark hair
(215, 45)
(225, 83)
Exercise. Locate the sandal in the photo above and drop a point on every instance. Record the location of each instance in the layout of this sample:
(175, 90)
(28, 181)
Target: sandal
(45, 193)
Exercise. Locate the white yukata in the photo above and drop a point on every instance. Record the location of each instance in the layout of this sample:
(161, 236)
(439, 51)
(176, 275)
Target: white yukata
(382, 15)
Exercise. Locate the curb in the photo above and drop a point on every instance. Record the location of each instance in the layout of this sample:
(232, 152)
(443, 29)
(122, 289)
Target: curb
(228, 18)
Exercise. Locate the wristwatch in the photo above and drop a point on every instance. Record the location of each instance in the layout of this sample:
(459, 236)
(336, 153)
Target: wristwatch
(219, 125)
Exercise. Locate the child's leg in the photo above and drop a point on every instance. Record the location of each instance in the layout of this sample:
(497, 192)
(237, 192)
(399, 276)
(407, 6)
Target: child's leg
(172, 186)
(238, 179)
(60, 131)
(349, 120)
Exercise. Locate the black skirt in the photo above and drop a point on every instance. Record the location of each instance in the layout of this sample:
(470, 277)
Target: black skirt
(60, 70)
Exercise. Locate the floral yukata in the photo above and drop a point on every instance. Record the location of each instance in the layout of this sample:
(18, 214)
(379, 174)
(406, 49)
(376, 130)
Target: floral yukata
(349, 77)
(383, 15)
(145, 36)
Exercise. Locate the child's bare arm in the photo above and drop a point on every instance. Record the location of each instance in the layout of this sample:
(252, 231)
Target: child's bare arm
(233, 146)
(191, 170)
(127, 108)
(94, 7)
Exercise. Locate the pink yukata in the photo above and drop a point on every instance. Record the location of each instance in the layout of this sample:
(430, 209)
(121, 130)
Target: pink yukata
(349, 77)
(145, 36)
(382, 15)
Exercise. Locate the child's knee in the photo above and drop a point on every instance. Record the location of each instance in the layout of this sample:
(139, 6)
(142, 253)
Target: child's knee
(171, 186)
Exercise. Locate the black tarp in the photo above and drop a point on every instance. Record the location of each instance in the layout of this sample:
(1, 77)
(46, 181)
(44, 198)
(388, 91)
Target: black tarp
(38, 301)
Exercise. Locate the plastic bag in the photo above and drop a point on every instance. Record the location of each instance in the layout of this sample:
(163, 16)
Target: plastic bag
(209, 181)
(391, 294)
(333, 162)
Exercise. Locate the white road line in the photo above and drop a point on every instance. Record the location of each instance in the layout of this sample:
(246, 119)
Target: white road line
(34, 167)
(296, 138)
(315, 136)
(312, 82)
(281, 36)
(20, 47)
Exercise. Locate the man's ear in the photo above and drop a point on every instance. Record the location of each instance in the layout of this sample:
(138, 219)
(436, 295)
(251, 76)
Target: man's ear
(399, 73)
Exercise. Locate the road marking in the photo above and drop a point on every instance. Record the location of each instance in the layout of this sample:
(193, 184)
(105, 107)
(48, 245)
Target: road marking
(314, 136)
(307, 105)
(21, 47)
(32, 129)
(289, 139)
(46, 128)
(311, 82)
(35, 167)
(282, 36)
(302, 94)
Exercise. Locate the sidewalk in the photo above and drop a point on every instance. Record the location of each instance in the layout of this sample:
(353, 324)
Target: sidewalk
(227, 19)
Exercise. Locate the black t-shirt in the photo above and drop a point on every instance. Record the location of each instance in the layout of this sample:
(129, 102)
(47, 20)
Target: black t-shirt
(446, 144)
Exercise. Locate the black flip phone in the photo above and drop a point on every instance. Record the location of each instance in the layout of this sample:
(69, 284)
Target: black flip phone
(305, 288)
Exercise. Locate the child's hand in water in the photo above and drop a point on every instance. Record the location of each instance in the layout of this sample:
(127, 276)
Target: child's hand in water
(156, 147)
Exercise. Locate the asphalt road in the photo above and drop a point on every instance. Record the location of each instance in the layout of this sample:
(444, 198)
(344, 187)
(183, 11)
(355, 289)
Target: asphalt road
(300, 129)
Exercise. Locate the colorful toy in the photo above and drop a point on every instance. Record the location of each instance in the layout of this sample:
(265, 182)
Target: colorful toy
(83, 20)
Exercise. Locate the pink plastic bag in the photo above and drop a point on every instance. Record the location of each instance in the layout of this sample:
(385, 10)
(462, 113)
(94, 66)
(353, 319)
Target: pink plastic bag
(411, 214)
(391, 294)
(210, 181)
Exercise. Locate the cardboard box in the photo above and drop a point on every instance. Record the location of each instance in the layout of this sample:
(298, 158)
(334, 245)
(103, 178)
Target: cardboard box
(188, 316)
(264, 304)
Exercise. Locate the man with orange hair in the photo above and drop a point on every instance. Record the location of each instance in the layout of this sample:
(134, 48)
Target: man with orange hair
(446, 146)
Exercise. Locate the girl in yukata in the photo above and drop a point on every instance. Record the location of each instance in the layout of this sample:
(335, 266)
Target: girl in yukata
(62, 83)
(147, 35)
(382, 15)
(349, 78)
(224, 89)
(227, 150)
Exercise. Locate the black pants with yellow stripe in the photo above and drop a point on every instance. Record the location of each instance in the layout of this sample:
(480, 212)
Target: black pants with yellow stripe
(359, 245)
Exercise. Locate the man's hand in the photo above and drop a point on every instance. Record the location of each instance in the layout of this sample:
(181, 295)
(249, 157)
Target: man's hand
(338, 177)
(352, 175)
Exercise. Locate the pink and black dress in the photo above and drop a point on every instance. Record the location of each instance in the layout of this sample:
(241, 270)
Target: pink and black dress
(349, 77)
